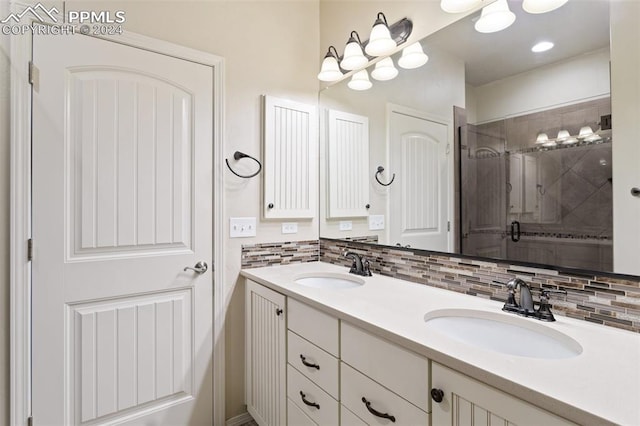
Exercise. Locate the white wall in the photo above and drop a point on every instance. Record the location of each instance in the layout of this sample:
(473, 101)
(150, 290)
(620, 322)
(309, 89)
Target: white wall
(546, 87)
(625, 104)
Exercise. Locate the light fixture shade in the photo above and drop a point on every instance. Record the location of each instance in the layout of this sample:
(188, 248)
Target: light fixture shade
(495, 17)
(353, 57)
(380, 41)
(563, 135)
(459, 6)
(384, 70)
(360, 81)
(330, 70)
(541, 6)
(542, 138)
(585, 131)
(412, 57)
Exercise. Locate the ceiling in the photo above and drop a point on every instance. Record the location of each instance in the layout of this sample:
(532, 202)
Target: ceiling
(578, 27)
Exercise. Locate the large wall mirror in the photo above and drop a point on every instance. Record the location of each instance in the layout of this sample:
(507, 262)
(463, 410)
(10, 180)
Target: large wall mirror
(489, 149)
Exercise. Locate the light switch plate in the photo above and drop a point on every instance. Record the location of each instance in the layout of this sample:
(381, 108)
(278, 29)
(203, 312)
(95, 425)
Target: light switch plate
(376, 222)
(290, 228)
(242, 227)
(346, 225)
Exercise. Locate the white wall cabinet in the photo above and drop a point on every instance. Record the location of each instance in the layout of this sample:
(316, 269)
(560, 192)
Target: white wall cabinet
(466, 401)
(306, 367)
(290, 159)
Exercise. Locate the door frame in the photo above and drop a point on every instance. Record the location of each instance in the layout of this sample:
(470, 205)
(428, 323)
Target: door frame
(21, 52)
(400, 109)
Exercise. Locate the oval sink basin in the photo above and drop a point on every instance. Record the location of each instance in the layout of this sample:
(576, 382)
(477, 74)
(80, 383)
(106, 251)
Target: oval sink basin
(503, 333)
(329, 280)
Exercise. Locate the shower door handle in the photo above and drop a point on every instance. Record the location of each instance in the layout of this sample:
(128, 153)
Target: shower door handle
(515, 231)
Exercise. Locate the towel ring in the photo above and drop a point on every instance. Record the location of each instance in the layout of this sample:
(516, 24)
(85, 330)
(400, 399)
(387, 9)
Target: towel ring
(239, 155)
(380, 170)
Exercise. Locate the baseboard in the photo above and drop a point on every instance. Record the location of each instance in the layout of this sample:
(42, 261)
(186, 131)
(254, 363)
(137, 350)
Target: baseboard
(239, 420)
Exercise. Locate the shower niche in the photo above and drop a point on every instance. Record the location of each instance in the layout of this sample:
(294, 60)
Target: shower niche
(531, 196)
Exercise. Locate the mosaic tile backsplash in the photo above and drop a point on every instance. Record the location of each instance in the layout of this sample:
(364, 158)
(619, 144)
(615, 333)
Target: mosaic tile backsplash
(606, 300)
(258, 255)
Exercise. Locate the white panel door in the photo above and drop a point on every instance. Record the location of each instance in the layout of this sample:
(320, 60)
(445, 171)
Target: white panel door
(122, 203)
(419, 197)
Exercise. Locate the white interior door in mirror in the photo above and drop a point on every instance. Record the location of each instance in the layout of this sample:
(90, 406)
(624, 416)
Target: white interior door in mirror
(290, 159)
(419, 199)
(348, 165)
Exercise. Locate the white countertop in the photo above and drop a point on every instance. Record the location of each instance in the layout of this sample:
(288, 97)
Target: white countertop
(599, 386)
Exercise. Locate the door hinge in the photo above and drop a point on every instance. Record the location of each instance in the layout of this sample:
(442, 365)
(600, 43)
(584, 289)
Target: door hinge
(30, 421)
(29, 250)
(34, 75)
(448, 226)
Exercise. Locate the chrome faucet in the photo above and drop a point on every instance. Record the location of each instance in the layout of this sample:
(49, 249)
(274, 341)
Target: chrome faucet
(359, 266)
(526, 306)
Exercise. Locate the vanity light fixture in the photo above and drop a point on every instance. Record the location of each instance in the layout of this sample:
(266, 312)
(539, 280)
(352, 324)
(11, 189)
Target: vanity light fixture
(380, 41)
(542, 46)
(565, 138)
(495, 17)
(412, 57)
(459, 6)
(360, 81)
(330, 70)
(353, 56)
(541, 6)
(384, 70)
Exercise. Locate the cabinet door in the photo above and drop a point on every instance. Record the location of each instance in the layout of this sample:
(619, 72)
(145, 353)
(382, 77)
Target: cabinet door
(290, 159)
(469, 402)
(265, 355)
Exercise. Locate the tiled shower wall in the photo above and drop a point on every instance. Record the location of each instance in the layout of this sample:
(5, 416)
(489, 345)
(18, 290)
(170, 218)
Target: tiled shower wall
(606, 300)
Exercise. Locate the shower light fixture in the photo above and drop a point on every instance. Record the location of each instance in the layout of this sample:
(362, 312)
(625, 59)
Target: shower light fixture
(459, 6)
(384, 70)
(542, 46)
(380, 41)
(541, 6)
(495, 17)
(353, 56)
(360, 81)
(412, 57)
(330, 70)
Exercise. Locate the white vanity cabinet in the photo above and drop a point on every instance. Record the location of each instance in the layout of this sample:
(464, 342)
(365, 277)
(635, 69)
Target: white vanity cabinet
(306, 367)
(465, 401)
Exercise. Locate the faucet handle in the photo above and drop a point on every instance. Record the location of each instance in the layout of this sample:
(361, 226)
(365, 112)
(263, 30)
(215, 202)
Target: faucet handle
(544, 310)
(366, 268)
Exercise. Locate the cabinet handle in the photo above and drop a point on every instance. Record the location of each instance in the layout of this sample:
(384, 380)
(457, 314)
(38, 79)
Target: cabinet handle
(377, 413)
(437, 395)
(309, 403)
(279, 312)
(635, 192)
(308, 364)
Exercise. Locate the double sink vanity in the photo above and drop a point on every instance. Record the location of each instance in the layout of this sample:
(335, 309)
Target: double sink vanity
(325, 347)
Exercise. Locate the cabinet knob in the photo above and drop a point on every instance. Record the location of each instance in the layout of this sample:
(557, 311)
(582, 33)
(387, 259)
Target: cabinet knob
(437, 395)
(368, 206)
(635, 192)
(270, 205)
(279, 312)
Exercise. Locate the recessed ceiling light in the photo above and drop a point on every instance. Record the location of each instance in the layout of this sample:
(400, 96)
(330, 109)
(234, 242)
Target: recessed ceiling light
(543, 46)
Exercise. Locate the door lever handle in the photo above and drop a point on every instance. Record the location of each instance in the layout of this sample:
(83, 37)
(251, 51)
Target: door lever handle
(199, 268)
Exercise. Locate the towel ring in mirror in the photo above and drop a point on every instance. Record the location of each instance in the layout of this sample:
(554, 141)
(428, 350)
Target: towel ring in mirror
(380, 170)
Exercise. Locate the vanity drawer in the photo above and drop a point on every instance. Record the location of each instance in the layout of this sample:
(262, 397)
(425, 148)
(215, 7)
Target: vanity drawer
(327, 414)
(297, 417)
(355, 386)
(347, 418)
(317, 327)
(326, 375)
(402, 371)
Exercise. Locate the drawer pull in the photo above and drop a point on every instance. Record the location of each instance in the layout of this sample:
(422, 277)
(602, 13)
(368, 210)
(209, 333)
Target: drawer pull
(309, 403)
(308, 364)
(377, 413)
(437, 395)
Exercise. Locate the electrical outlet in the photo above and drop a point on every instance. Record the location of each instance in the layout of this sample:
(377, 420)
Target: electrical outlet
(346, 225)
(376, 222)
(242, 227)
(290, 228)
